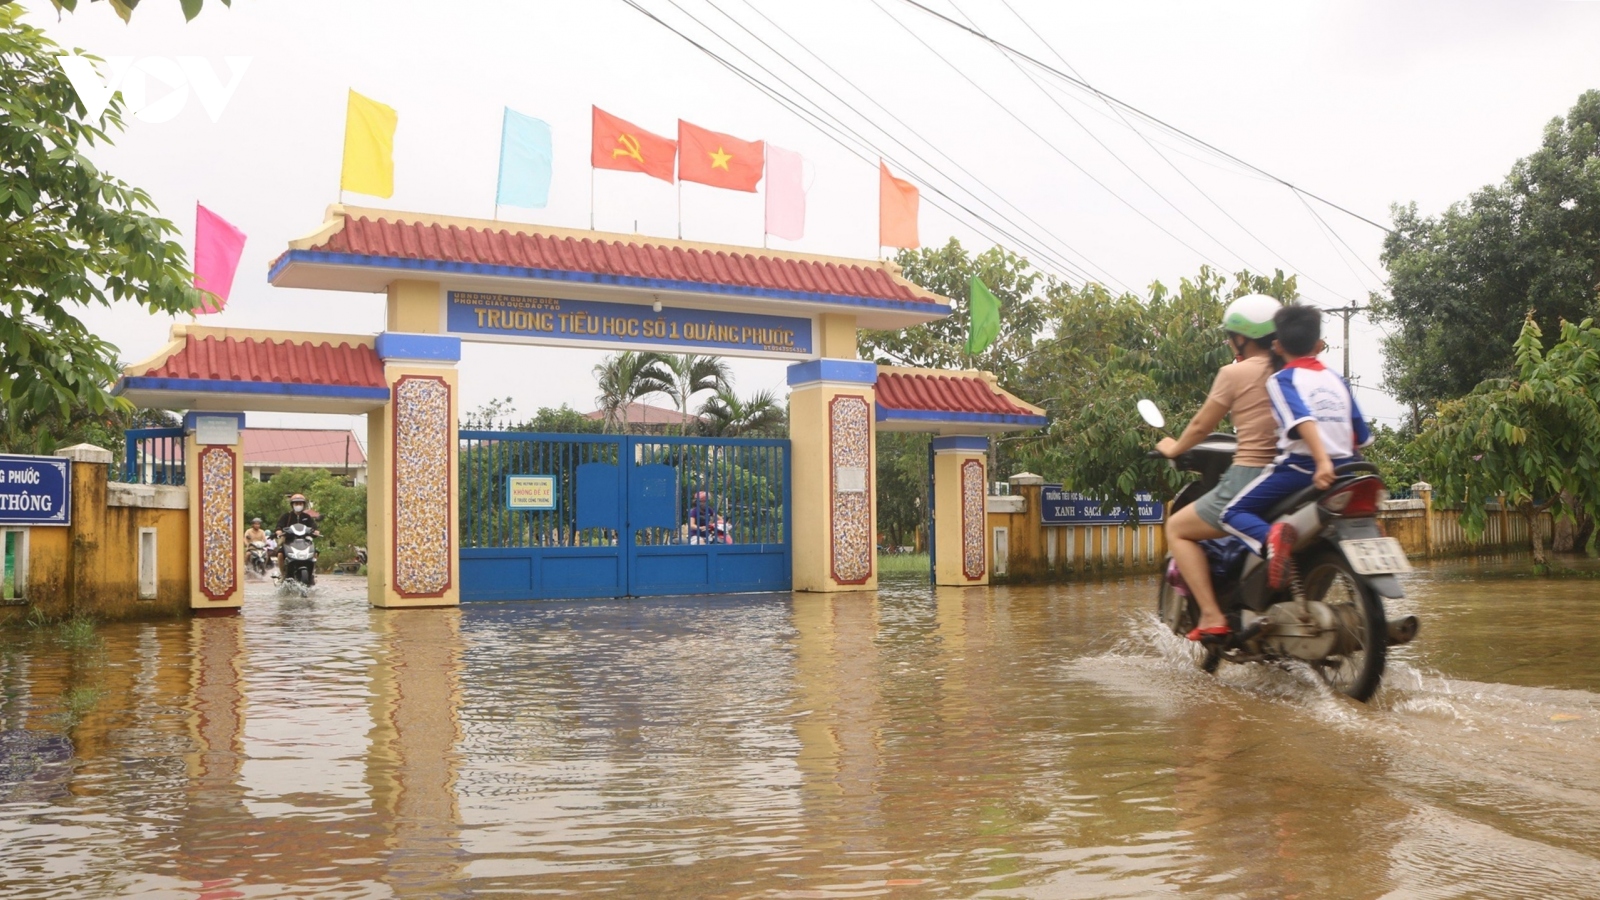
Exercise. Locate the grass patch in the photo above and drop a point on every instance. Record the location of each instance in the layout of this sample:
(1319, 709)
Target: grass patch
(80, 701)
(903, 564)
(77, 632)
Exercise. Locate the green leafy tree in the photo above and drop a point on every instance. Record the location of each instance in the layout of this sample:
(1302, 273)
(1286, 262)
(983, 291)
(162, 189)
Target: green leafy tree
(1461, 282)
(124, 8)
(693, 374)
(902, 486)
(1394, 451)
(625, 377)
(1107, 352)
(1532, 438)
(725, 414)
(948, 271)
(71, 236)
(500, 414)
(342, 508)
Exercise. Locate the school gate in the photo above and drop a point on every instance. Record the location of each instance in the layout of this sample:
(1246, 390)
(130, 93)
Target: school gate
(507, 515)
(546, 516)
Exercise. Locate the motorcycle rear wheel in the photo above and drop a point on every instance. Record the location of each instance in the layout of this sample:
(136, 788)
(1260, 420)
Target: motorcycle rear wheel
(1357, 674)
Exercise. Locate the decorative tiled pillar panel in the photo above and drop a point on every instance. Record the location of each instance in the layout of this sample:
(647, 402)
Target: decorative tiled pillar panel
(832, 446)
(974, 561)
(412, 533)
(960, 478)
(424, 487)
(215, 477)
(849, 439)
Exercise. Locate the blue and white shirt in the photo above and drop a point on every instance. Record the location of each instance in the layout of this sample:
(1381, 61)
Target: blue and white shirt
(1304, 393)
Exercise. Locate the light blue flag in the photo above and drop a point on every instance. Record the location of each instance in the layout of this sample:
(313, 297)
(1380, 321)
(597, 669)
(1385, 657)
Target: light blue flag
(525, 162)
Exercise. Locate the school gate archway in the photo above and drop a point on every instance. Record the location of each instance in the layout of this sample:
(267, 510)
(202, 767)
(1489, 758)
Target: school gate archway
(448, 280)
(547, 516)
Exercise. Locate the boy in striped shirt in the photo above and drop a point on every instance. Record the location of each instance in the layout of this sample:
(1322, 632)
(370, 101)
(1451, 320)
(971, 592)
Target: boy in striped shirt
(1319, 425)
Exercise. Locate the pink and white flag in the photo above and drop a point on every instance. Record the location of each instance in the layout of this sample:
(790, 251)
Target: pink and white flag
(217, 248)
(786, 194)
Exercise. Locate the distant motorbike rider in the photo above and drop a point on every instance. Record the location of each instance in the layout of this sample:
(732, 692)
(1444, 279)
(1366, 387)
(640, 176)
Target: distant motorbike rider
(297, 515)
(255, 534)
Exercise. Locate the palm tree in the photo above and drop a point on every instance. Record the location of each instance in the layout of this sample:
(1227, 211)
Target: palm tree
(693, 373)
(625, 377)
(725, 415)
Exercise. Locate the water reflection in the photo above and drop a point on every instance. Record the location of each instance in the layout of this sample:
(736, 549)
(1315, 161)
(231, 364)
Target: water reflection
(1030, 742)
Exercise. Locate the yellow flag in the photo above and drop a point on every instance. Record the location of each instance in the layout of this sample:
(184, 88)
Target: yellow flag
(368, 147)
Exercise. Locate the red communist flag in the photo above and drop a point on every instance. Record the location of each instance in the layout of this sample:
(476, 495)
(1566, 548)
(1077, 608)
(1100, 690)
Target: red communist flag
(619, 144)
(717, 159)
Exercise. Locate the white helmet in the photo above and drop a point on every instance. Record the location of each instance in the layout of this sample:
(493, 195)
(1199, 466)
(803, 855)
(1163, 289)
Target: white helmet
(1251, 316)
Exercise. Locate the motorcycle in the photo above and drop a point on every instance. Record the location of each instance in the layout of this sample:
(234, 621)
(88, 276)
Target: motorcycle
(299, 554)
(257, 559)
(1331, 614)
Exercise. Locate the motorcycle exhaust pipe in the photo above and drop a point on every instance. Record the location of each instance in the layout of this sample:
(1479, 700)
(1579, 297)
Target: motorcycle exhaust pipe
(1403, 630)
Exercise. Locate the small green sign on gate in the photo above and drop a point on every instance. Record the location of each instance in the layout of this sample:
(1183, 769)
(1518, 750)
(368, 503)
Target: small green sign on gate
(530, 492)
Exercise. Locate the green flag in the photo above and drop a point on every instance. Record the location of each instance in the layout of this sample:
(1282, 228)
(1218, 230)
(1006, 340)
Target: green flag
(984, 326)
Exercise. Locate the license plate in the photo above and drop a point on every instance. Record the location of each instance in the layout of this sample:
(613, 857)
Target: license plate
(1376, 556)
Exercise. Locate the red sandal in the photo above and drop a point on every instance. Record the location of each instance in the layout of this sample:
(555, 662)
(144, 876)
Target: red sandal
(1215, 631)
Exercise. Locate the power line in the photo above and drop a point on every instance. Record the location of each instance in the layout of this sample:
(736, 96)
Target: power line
(1047, 142)
(886, 111)
(1104, 146)
(819, 120)
(1164, 158)
(1141, 113)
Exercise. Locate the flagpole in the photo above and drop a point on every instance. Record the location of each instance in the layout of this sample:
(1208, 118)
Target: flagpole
(680, 208)
(766, 177)
(591, 198)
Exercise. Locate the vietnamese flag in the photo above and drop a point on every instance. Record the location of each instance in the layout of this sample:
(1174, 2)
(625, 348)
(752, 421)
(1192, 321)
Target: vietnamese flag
(620, 144)
(717, 159)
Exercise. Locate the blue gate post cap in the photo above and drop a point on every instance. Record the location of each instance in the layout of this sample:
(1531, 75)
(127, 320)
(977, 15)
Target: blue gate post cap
(961, 442)
(848, 371)
(434, 348)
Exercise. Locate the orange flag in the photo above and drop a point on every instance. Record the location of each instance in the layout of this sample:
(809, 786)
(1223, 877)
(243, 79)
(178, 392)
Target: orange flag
(619, 144)
(897, 210)
(717, 159)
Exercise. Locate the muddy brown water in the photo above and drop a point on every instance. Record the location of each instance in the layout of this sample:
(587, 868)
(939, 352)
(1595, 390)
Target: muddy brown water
(1019, 742)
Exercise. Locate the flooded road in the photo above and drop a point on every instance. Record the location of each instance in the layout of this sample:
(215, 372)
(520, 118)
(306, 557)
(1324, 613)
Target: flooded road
(1020, 742)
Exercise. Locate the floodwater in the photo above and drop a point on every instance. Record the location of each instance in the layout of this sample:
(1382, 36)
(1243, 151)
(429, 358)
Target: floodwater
(1023, 742)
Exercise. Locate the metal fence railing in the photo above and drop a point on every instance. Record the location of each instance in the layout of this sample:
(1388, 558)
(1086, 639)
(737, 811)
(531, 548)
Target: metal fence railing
(152, 456)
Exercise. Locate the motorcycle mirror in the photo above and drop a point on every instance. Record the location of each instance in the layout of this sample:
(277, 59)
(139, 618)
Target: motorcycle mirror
(1151, 414)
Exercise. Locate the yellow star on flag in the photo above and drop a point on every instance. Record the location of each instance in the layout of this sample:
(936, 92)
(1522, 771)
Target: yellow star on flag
(719, 159)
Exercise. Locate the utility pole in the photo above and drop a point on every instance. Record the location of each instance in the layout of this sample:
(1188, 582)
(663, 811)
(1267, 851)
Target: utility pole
(1345, 312)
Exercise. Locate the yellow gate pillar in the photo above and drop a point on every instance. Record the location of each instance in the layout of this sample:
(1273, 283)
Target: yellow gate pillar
(413, 538)
(214, 474)
(833, 451)
(960, 540)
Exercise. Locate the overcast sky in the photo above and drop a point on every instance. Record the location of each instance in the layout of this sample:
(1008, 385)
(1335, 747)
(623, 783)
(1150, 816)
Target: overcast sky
(1366, 104)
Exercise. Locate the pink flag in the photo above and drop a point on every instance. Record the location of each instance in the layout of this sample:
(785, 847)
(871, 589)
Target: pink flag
(786, 194)
(217, 248)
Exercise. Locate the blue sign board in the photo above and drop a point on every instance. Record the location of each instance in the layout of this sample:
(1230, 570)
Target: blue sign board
(1058, 507)
(35, 490)
(547, 320)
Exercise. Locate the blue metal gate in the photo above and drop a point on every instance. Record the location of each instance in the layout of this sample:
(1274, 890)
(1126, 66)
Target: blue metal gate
(621, 515)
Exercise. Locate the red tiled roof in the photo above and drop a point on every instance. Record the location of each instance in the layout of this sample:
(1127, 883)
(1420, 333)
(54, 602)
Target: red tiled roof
(944, 393)
(311, 447)
(284, 362)
(642, 259)
(645, 414)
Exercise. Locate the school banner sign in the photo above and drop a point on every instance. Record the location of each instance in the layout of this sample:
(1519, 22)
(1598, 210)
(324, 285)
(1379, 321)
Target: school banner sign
(1058, 507)
(587, 323)
(35, 490)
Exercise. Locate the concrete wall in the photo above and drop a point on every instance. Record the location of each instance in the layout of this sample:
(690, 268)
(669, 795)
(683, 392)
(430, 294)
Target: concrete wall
(1058, 553)
(92, 566)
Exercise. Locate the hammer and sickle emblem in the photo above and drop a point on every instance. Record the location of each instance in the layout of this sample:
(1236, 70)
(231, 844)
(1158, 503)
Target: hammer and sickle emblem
(630, 147)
